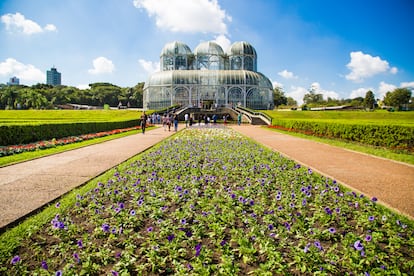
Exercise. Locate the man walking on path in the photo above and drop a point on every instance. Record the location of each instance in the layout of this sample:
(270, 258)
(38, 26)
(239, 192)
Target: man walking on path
(143, 122)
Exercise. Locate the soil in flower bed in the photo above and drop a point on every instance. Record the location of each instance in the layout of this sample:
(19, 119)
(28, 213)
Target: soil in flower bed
(208, 201)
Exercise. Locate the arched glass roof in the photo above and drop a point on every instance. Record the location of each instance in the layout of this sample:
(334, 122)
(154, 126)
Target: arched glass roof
(208, 48)
(241, 48)
(217, 77)
(176, 48)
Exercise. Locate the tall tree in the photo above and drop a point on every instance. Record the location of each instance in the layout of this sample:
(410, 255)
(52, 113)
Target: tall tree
(398, 98)
(369, 101)
(279, 97)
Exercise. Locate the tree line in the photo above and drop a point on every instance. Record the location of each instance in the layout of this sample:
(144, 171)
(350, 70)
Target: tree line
(44, 96)
(398, 99)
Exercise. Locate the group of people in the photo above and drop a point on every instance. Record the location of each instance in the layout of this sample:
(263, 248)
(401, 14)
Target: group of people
(169, 120)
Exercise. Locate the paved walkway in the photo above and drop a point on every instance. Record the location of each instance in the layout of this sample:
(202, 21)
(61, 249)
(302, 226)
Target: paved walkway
(27, 186)
(391, 182)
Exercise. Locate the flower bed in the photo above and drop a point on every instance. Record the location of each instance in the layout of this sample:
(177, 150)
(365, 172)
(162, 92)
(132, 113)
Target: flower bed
(16, 149)
(209, 201)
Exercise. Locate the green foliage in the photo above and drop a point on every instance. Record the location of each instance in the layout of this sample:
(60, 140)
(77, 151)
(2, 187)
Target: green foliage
(279, 97)
(369, 101)
(43, 96)
(391, 130)
(398, 98)
(22, 127)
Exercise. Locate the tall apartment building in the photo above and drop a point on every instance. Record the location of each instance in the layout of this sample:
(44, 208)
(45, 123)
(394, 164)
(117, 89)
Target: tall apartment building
(13, 81)
(53, 77)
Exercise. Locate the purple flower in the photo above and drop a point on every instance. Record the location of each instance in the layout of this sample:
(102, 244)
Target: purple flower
(80, 243)
(306, 249)
(368, 238)
(76, 257)
(371, 218)
(332, 230)
(44, 265)
(149, 229)
(15, 260)
(223, 242)
(197, 249)
(170, 237)
(121, 205)
(132, 213)
(270, 227)
(59, 273)
(105, 227)
(251, 202)
(358, 245)
(318, 245)
(328, 210)
(114, 273)
(190, 267)
(279, 197)
(57, 205)
(183, 221)
(374, 199)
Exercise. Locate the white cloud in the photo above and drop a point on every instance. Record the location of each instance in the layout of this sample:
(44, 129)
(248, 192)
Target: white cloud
(223, 41)
(27, 73)
(316, 87)
(277, 84)
(191, 16)
(149, 66)
(364, 66)
(17, 22)
(360, 92)
(83, 86)
(297, 93)
(287, 75)
(102, 65)
(407, 85)
(384, 88)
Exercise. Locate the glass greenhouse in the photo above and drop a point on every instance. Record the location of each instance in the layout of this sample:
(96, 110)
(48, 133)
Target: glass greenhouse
(208, 77)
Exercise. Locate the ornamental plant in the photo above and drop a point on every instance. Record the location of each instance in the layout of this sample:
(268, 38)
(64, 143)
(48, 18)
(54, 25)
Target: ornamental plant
(209, 201)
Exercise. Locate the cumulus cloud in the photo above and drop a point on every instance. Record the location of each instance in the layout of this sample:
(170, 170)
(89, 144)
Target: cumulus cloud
(287, 75)
(363, 66)
(297, 93)
(360, 92)
(277, 84)
(384, 88)
(407, 85)
(102, 65)
(149, 66)
(83, 86)
(27, 73)
(223, 41)
(188, 16)
(316, 87)
(17, 22)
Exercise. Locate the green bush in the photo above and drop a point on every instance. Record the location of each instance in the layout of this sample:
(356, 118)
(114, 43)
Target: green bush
(389, 136)
(24, 134)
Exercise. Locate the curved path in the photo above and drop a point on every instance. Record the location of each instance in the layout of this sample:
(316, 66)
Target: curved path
(26, 187)
(390, 181)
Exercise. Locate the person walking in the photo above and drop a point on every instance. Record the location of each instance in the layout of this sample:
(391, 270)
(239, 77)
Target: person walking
(175, 122)
(143, 122)
(186, 119)
(239, 118)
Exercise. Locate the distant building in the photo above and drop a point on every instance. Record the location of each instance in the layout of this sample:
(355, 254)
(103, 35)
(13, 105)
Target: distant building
(53, 77)
(13, 81)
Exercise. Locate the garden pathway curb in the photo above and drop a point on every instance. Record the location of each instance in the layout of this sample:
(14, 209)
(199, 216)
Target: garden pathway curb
(26, 187)
(391, 182)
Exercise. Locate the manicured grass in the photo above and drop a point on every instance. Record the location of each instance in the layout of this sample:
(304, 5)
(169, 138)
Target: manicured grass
(377, 117)
(59, 116)
(400, 156)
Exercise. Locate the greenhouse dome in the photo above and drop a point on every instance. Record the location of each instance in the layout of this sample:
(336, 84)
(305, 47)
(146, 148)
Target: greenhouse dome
(208, 75)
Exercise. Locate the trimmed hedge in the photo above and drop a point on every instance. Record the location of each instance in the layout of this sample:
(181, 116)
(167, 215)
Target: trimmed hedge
(24, 134)
(389, 136)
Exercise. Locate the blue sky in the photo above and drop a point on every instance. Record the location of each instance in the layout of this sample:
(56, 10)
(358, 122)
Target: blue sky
(340, 48)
